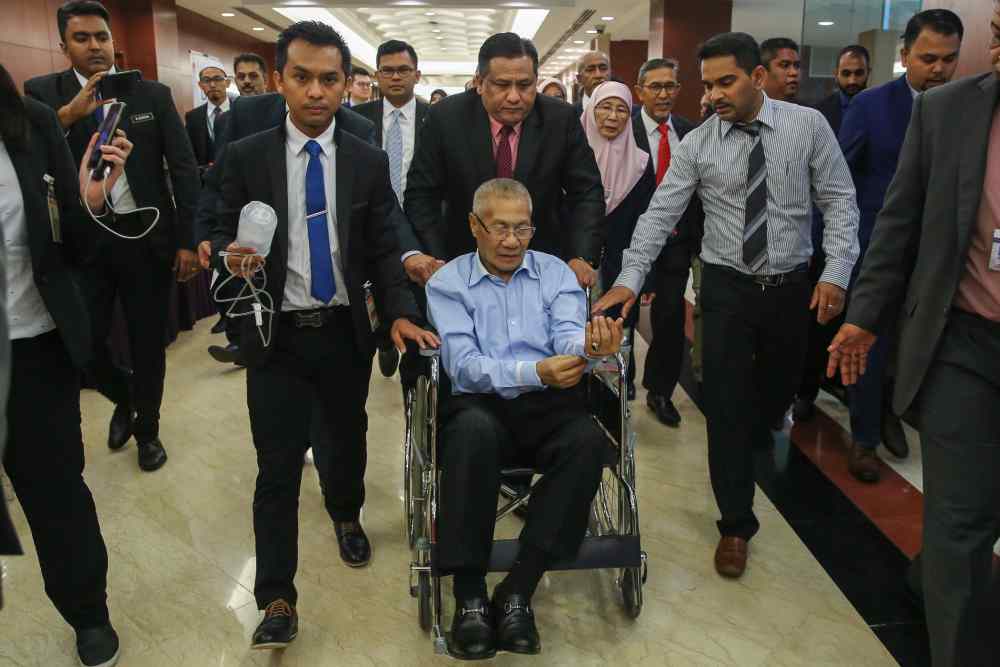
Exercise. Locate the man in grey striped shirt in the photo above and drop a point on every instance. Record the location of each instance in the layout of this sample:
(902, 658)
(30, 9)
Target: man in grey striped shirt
(758, 166)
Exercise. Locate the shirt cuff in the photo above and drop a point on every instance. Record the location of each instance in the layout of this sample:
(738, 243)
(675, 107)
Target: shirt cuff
(408, 254)
(527, 374)
(631, 278)
(837, 272)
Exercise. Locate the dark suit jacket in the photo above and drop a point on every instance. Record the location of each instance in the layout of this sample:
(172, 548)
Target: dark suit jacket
(256, 169)
(830, 108)
(871, 136)
(918, 250)
(554, 162)
(373, 112)
(249, 115)
(156, 131)
(196, 123)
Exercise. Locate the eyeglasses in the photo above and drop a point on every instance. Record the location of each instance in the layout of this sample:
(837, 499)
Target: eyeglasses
(659, 88)
(500, 232)
(403, 72)
(212, 80)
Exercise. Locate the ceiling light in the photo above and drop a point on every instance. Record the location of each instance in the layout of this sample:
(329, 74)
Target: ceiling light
(439, 38)
(428, 13)
(825, 24)
(228, 15)
(257, 28)
(607, 18)
(528, 21)
(435, 30)
(591, 32)
(579, 41)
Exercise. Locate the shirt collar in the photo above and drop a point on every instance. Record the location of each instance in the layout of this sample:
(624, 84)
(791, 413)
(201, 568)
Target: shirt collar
(652, 126)
(496, 126)
(913, 91)
(83, 80)
(296, 140)
(224, 106)
(407, 111)
(766, 116)
(479, 269)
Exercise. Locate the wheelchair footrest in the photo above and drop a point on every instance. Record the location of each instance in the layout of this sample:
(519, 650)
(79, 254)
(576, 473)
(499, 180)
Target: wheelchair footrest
(596, 553)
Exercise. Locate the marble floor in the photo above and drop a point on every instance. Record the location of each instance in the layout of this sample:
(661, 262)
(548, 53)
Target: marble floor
(181, 558)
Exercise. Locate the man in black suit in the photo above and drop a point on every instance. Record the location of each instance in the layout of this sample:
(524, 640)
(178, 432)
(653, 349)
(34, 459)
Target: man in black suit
(592, 70)
(503, 128)
(398, 117)
(853, 69)
(931, 268)
(334, 205)
(138, 272)
(202, 121)
(657, 130)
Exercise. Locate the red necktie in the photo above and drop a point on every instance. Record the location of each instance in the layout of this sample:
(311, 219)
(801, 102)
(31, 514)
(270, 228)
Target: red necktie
(663, 153)
(505, 157)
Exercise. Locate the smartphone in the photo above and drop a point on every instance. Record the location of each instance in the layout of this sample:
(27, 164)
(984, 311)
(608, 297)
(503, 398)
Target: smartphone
(119, 84)
(105, 135)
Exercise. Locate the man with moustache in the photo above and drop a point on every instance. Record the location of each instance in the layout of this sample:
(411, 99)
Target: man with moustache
(250, 73)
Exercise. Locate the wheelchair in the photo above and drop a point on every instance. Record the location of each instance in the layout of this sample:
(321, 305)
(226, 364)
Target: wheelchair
(612, 539)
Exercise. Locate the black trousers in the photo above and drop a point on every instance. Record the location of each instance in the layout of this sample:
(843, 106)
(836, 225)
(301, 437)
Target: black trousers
(44, 460)
(309, 369)
(667, 312)
(140, 276)
(480, 434)
(754, 346)
(961, 448)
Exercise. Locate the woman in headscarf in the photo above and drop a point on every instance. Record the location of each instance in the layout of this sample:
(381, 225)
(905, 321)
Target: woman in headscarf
(552, 88)
(627, 175)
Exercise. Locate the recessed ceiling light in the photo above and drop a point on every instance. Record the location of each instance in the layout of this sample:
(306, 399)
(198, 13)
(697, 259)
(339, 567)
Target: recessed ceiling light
(435, 30)
(579, 41)
(428, 13)
(825, 24)
(439, 38)
(591, 32)
(257, 28)
(228, 15)
(607, 18)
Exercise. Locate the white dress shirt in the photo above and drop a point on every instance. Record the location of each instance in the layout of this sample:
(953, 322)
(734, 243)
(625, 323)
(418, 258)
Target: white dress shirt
(26, 315)
(298, 283)
(653, 135)
(121, 193)
(408, 126)
(209, 113)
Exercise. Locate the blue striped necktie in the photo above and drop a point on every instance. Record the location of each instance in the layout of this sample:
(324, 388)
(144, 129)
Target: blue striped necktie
(324, 285)
(755, 226)
(394, 147)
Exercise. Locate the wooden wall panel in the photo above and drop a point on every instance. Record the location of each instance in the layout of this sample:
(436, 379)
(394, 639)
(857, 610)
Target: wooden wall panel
(627, 56)
(975, 15)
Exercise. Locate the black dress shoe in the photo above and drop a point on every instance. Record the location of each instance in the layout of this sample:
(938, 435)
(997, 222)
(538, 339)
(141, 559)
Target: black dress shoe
(220, 326)
(893, 436)
(515, 625)
(664, 409)
(279, 627)
(230, 354)
(120, 429)
(388, 360)
(97, 647)
(804, 410)
(472, 636)
(152, 455)
(355, 549)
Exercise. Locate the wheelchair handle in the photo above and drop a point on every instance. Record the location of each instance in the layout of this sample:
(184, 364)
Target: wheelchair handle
(430, 352)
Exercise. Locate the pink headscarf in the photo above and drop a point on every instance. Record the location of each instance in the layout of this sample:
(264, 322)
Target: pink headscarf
(621, 161)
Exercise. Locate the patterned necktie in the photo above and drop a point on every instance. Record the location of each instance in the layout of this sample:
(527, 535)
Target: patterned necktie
(755, 226)
(505, 156)
(663, 154)
(394, 147)
(211, 123)
(323, 286)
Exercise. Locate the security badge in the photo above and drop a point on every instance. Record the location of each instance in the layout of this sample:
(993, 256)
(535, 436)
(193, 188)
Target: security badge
(370, 305)
(995, 251)
(53, 208)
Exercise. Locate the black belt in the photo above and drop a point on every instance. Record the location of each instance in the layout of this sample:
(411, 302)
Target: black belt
(314, 319)
(798, 275)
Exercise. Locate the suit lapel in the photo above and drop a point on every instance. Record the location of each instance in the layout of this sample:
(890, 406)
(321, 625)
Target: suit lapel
(421, 117)
(345, 190)
(902, 106)
(529, 145)
(975, 125)
(277, 164)
(379, 110)
(639, 130)
(481, 142)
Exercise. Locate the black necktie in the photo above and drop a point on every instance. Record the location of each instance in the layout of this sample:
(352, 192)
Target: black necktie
(755, 226)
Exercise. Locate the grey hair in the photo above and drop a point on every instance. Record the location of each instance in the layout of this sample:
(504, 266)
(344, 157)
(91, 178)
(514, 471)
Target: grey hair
(662, 63)
(499, 188)
(579, 63)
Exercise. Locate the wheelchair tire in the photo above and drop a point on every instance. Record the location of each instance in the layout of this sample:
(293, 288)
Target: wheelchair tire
(631, 585)
(424, 601)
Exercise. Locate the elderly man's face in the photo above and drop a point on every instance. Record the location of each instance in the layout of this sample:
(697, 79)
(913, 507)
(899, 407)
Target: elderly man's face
(497, 234)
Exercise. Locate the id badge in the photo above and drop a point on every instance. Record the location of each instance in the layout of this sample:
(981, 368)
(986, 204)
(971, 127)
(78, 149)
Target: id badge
(53, 209)
(370, 305)
(995, 251)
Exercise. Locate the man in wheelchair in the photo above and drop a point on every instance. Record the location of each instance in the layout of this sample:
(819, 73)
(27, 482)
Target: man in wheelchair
(515, 343)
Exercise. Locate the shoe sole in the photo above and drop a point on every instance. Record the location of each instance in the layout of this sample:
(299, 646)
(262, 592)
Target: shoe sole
(270, 646)
(356, 566)
(518, 651)
(153, 468)
(108, 663)
(223, 357)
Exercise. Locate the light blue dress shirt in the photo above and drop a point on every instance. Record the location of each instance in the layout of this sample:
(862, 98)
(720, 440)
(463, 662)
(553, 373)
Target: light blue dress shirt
(493, 333)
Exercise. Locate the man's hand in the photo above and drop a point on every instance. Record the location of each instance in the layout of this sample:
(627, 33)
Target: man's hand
(603, 336)
(242, 261)
(647, 298)
(585, 273)
(995, 56)
(421, 267)
(84, 104)
(827, 301)
(186, 265)
(562, 371)
(613, 297)
(849, 352)
(404, 329)
(205, 254)
(117, 154)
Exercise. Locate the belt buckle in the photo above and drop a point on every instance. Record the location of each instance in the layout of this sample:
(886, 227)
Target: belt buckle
(312, 318)
(769, 281)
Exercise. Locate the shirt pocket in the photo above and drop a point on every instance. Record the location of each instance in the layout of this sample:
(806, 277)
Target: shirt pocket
(792, 188)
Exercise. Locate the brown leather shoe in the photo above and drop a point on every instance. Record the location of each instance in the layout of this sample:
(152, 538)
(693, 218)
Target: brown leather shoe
(731, 557)
(863, 464)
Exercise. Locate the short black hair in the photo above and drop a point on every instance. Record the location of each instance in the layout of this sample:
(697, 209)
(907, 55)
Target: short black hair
(15, 127)
(250, 58)
(654, 64)
(80, 8)
(855, 50)
(505, 45)
(769, 48)
(942, 21)
(739, 45)
(394, 46)
(439, 91)
(361, 71)
(317, 34)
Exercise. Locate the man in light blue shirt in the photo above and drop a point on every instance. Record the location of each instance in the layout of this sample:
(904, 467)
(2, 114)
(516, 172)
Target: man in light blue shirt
(515, 343)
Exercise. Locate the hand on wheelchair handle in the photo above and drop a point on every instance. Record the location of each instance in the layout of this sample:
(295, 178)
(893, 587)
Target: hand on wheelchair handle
(405, 330)
(603, 336)
(617, 295)
(561, 371)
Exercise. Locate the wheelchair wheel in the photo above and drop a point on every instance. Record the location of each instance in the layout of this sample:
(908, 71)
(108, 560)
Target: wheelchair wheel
(631, 585)
(413, 463)
(611, 512)
(424, 600)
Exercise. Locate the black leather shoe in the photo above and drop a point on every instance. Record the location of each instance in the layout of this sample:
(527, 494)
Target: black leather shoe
(515, 625)
(355, 549)
(97, 647)
(893, 436)
(664, 409)
(279, 627)
(220, 326)
(388, 360)
(804, 410)
(120, 429)
(472, 636)
(152, 455)
(230, 354)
